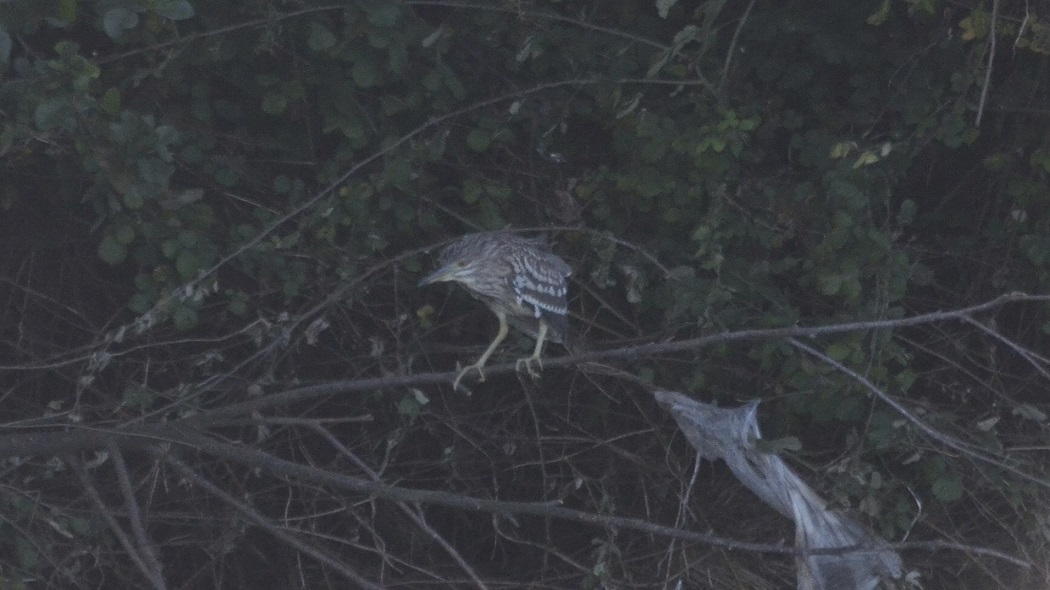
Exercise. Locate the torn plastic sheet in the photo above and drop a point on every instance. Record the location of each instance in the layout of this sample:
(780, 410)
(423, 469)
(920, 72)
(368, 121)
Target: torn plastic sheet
(730, 434)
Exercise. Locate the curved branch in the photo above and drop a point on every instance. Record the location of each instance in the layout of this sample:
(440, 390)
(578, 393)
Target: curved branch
(145, 547)
(179, 434)
(991, 62)
(56, 442)
(259, 22)
(630, 352)
(255, 459)
(133, 552)
(413, 513)
(540, 15)
(936, 435)
(251, 515)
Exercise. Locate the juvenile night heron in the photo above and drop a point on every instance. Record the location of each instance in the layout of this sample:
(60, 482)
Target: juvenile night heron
(519, 279)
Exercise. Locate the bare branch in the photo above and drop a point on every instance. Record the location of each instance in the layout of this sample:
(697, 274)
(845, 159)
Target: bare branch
(938, 436)
(257, 459)
(732, 47)
(264, 523)
(145, 546)
(991, 61)
(129, 547)
(414, 514)
(50, 442)
(1037, 361)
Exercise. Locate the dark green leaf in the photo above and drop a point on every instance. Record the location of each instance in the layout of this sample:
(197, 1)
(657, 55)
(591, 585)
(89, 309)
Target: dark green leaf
(282, 184)
(125, 234)
(238, 304)
(174, 9)
(117, 20)
(28, 556)
(384, 14)
(472, 192)
(52, 113)
(948, 488)
(132, 197)
(320, 38)
(398, 171)
(840, 350)
(274, 103)
(830, 284)
(365, 74)
(907, 212)
(184, 317)
(479, 139)
(111, 251)
(187, 264)
(226, 176)
(110, 101)
(169, 248)
(165, 135)
(154, 170)
(67, 11)
(879, 16)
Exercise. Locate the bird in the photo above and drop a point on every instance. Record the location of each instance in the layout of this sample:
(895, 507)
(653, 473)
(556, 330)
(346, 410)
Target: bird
(519, 279)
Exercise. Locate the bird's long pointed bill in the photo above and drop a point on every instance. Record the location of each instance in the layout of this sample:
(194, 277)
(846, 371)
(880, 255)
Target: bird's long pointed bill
(442, 274)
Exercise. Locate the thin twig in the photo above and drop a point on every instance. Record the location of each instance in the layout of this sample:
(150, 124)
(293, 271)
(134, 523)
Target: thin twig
(608, 237)
(270, 19)
(1023, 26)
(534, 14)
(683, 510)
(257, 459)
(107, 515)
(145, 546)
(413, 513)
(732, 47)
(1037, 361)
(636, 351)
(938, 436)
(991, 61)
(264, 523)
(52, 441)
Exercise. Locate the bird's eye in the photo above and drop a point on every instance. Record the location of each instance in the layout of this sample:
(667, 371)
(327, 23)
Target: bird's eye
(461, 263)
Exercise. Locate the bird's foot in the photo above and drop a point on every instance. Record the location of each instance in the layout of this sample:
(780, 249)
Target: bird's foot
(467, 369)
(528, 362)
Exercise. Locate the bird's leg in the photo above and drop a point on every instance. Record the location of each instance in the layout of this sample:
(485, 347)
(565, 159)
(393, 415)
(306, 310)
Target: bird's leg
(485, 355)
(535, 358)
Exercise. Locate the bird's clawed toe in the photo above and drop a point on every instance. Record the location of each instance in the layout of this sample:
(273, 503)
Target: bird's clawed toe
(528, 363)
(467, 369)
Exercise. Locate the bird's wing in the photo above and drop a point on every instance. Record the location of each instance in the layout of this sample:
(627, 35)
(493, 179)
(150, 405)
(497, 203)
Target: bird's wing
(539, 283)
(542, 249)
(560, 266)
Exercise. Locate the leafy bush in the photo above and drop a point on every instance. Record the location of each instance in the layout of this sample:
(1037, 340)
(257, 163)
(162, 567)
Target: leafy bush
(208, 203)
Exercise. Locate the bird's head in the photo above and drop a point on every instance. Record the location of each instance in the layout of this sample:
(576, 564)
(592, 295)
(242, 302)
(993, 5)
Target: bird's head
(454, 271)
(456, 263)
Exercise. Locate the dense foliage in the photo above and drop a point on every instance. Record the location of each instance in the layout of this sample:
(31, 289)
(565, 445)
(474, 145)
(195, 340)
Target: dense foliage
(206, 202)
